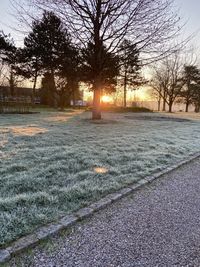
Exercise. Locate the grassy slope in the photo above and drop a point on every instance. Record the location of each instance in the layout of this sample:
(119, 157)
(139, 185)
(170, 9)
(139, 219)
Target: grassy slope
(47, 161)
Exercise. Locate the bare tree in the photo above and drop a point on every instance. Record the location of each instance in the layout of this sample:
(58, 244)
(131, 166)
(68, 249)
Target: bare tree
(156, 94)
(168, 79)
(159, 84)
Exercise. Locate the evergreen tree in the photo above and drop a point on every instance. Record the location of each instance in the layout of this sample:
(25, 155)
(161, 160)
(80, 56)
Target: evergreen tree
(130, 68)
(46, 90)
(70, 73)
(8, 56)
(29, 66)
(108, 70)
(191, 76)
(196, 96)
(5, 45)
(48, 48)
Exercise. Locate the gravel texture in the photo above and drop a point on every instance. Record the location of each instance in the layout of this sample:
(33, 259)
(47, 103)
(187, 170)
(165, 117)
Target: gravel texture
(159, 225)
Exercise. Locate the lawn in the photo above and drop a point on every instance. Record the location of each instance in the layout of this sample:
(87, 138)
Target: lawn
(53, 163)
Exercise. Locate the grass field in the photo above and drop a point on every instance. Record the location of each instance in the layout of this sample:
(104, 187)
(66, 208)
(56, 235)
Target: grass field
(53, 163)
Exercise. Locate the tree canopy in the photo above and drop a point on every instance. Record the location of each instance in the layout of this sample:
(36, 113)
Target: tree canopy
(149, 24)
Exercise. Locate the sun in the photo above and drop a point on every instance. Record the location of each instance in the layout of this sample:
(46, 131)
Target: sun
(106, 99)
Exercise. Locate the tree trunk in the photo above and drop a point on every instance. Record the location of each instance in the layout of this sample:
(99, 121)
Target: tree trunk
(74, 97)
(34, 84)
(62, 100)
(170, 106)
(164, 101)
(164, 105)
(33, 92)
(159, 102)
(68, 100)
(125, 88)
(96, 112)
(188, 95)
(187, 107)
(12, 83)
(98, 48)
(125, 95)
(197, 108)
(159, 105)
(54, 95)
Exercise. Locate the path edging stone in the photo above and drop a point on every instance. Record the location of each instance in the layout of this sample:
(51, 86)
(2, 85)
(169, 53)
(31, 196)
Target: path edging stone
(66, 222)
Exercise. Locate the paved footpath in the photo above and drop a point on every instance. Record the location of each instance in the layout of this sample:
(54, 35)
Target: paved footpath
(159, 225)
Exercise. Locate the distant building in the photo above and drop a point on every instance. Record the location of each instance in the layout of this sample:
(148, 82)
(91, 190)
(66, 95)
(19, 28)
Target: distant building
(18, 93)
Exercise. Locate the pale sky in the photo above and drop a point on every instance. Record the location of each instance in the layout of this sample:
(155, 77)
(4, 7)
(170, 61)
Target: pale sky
(189, 11)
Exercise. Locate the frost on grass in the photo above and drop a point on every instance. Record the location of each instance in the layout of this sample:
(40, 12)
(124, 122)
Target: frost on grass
(54, 163)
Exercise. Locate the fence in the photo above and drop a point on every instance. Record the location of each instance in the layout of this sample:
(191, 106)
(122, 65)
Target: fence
(15, 105)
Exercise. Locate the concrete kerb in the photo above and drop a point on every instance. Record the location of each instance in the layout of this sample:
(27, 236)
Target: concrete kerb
(66, 222)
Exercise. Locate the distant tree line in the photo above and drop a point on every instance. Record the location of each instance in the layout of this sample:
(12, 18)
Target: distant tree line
(175, 82)
(50, 55)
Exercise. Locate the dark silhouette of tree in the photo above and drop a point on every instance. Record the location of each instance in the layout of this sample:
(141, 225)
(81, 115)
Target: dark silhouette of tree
(109, 69)
(159, 84)
(6, 45)
(191, 76)
(69, 73)
(130, 67)
(47, 47)
(196, 96)
(8, 56)
(29, 65)
(167, 80)
(46, 90)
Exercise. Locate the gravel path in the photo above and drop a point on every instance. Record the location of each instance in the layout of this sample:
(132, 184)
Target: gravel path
(157, 226)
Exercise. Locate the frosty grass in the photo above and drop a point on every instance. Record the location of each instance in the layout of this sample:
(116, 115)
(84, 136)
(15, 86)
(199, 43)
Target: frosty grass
(53, 163)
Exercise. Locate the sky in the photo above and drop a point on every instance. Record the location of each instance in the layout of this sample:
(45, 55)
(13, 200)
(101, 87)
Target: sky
(189, 11)
(7, 21)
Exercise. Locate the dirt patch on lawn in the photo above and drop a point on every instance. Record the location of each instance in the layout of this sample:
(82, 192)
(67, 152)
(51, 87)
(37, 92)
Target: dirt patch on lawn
(27, 131)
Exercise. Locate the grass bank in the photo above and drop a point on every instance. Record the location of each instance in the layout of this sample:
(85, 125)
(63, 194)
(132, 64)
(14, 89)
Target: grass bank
(53, 163)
